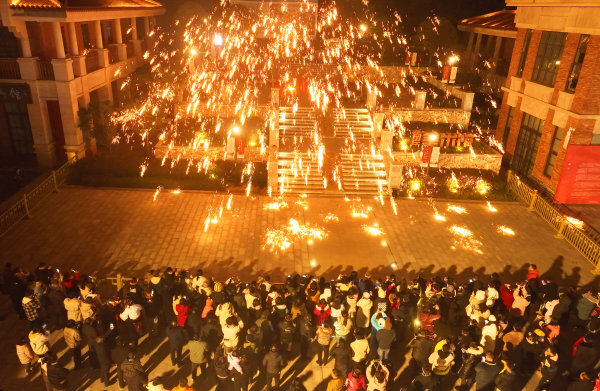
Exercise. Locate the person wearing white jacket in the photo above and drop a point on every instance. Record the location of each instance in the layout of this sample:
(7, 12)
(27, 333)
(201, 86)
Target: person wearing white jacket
(489, 332)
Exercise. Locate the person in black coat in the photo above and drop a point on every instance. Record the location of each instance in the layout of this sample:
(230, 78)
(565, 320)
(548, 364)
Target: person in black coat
(132, 373)
(56, 375)
(486, 372)
(104, 360)
(342, 354)
(507, 380)
(422, 347)
(585, 357)
(582, 384)
(176, 337)
(425, 381)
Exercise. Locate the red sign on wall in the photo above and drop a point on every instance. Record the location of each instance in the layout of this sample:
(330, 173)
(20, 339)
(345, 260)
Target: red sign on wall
(240, 146)
(446, 74)
(580, 176)
(426, 154)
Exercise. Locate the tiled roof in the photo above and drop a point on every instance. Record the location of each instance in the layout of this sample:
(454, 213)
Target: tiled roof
(500, 20)
(78, 4)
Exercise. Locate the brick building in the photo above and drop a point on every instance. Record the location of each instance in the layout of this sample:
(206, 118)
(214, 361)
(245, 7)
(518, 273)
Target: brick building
(55, 57)
(551, 103)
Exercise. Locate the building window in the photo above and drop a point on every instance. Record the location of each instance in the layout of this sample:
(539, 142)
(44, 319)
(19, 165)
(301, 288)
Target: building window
(548, 57)
(524, 50)
(9, 46)
(511, 112)
(559, 134)
(85, 36)
(527, 144)
(17, 120)
(110, 38)
(577, 62)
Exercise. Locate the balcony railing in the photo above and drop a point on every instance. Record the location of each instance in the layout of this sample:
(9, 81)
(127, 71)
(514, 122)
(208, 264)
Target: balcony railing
(45, 70)
(130, 50)
(113, 54)
(91, 61)
(9, 69)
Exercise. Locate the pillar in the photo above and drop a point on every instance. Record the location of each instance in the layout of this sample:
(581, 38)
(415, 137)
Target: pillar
(134, 35)
(98, 34)
(67, 98)
(23, 37)
(273, 173)
(43, 140)
(497, 47)
(377, 124)
(137, 43)
(488, 45)
(469, 47)
(73, 49)
(58, 40)
(395, 177)
(274, 131)
(117, 31)
(467, 101)
(275, 98)
(146, 26)
(420, 98)
(476, 49)
(387, 136)
(371, 99)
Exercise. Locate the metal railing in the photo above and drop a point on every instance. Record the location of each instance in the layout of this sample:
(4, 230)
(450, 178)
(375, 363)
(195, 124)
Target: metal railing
(9, 69)
(566, 228)
(23, 207)
(45, 70)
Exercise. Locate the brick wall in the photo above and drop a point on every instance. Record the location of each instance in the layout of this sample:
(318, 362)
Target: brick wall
(536, 36)
(566, 61)
(516, 55)
(502, 117)
(587, 93)
(544, 149)
(514, 130)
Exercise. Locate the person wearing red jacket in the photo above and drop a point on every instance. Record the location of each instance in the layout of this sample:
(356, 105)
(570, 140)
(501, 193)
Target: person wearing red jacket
(533, 273)
(322, 312)
(427, 319)
(182, 310)
(356, 380)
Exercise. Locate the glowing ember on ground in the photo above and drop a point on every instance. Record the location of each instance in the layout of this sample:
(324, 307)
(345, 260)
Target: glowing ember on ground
(361, 211)
(439, 217)
(302, 203)
(504, 230)
(275, 205)
(373, 230)
(482, 187)
(158, 190)
(574, 222)
(331, 218)
(278, 240)
(457, 209)
(176, 191)
(415, 185)
(453, 184)
(463, 237)
(491, 207)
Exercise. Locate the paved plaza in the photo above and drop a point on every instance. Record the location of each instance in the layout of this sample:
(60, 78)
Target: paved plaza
(105, 231)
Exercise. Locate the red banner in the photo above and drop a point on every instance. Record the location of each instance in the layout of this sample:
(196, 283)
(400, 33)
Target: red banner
(426, 154)
(240, 146)
(446, 74)
(580, 176)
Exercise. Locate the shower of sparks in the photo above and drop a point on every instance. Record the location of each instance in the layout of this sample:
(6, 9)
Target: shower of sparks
(463, 237)
(491, 207)
(372, 230)
(275, 205)
(229, 200)
(360, 211)
(574, 222)
(157, 192)
(143, 169)
(439, 217)
(331, 218)
(279, 240)
(176, 191)
(504, 230)
(303, 203)
(482, 187)
(457, 209)
(453, 184)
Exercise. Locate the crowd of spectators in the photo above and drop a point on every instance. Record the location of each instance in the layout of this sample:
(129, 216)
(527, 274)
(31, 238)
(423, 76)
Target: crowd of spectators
(483, 333)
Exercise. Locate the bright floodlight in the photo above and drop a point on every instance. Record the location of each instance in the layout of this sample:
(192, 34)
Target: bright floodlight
(235, 130)
(193, 52)
(453, 59)
(433, 137)
(218, 40)
(363, 27)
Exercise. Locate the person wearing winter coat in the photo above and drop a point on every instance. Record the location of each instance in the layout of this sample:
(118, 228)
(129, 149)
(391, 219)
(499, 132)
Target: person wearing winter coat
(224, 311)
(31, 307)
(507, 379)
(522, 300)
(73, 307)
(470, 358)
(378, 376)
(583, 383)
(176, 338)
(273, 363)
(132, 373)
(422, 347)
(73, 341)
(342, 353)
(441, 361)
(360, 348)
(585, 355)
(231, 332)
(38, 339)
(54, 374)
(549, 368)
(337, 381)
(356, 381)
(25, 354)
(322, 312)
(424, 381)
(585, 305)
(343, 326)
(181, 311)
(323, 335)
(489, 332)
(486, 372)
(427, 319)
(385, 338)
(363, 311)
(198, 349)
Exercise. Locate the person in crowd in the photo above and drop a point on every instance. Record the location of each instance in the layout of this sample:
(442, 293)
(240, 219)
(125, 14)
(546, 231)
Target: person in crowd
(132, 373)
(73, 341)
(198, 350)
(273, 364)
(336, 383)
(25, 354)
(176, 337)
(324, 335)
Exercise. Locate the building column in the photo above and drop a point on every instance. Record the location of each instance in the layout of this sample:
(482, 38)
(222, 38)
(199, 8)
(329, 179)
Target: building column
(137, 43)
(371, 100)
(475, 50)
(63, 67)
(469, 47)
(98, 35)
(146, 26)
(43, 140)
(58, 40)
(69, 108)
(78, 61)
(488, 45)
(121, 47)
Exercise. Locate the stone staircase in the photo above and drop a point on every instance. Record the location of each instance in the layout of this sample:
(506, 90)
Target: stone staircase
(352, 123)
(298, 173)
(363, 175)
(300, 123)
